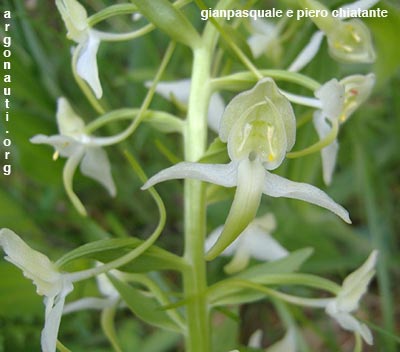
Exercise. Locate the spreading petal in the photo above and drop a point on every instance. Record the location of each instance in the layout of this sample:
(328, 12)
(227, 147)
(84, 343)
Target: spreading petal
(308, 53)
(329, 153)
(223, 175)
(86, 65)
(35, 265)
(65, 146)
(95, 164)
(277, 186)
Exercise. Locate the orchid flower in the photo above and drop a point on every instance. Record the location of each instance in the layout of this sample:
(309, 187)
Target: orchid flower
(259, 127)
(265, 39)
(286, 344)
(347, 301)
(73, 143)
(49, 282)
(348, 40)
(76, 20)
(339, 100)
(255, 241)
(180, 91)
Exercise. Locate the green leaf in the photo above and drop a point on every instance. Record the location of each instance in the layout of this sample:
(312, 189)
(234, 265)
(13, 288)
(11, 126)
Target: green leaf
(287, 264)
(144, 306)
(231, 294)
(154, 258)
(169, 19)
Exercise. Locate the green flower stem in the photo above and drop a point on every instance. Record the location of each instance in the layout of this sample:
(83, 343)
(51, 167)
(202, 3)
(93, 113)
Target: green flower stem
(146, 103)
(242, 57)
(111, 11)
(61, 347)
(86, 274)
(197, 338)
(243, 80)
(219, 290)
(108, 326)
(306, 302)
(130, 114)
(316, 147)
(194, 279)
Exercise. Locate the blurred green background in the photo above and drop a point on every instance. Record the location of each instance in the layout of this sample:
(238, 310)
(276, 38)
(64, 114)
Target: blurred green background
(33, 202)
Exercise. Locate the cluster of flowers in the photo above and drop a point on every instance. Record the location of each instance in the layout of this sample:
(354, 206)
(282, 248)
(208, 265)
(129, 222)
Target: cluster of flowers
(259, 129)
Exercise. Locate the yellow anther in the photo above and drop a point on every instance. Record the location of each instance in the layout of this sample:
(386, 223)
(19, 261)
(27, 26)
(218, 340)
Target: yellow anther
(270, 133)
(56, 155)
(355, 36)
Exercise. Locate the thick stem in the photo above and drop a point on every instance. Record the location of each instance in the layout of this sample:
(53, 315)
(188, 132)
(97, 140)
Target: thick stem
(195, 280)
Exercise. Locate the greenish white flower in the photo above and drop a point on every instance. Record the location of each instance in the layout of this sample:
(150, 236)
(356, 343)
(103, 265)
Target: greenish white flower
(347, 301)
(75, 18)
(254, 242)
(73, 143)
(49, 282)
(339, 99)
(349, 40)
(335, 102)
(179, 91)
(259, 127)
